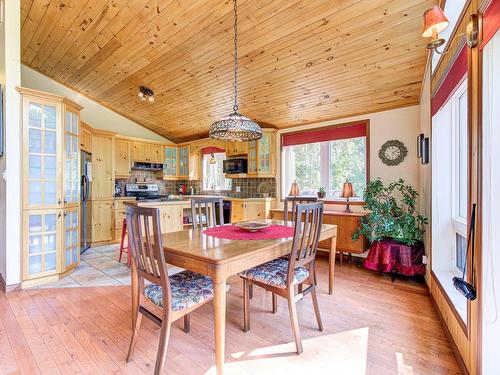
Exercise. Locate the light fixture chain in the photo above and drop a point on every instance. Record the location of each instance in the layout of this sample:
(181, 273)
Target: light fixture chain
(235, 106)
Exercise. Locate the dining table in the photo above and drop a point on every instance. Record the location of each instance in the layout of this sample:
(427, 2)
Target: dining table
(219, 259)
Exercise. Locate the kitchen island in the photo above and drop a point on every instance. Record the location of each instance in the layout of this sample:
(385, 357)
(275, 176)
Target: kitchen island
(175, 213)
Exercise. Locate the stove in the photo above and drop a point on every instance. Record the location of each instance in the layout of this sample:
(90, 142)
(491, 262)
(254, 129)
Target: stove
(142, 191)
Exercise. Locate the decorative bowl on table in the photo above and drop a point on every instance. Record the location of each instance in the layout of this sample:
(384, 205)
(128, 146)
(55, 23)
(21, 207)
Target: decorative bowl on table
(252, 226)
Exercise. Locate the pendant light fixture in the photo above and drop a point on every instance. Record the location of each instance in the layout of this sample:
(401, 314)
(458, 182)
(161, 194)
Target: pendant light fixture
(235, 127)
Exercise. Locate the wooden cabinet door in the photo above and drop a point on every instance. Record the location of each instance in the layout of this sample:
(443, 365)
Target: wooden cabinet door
(183, 162)
(170, 163)
(255, 210)
(86, 140)
(122, 158)
(102, 167)
(71, 238)
(41, 243)
(171, 218)
(194, 164)
(138, 152)
(252, 158)
(264, 155)
(102, 220)
(42, 162)
(71, 157)
(155, 153)
(238, 211)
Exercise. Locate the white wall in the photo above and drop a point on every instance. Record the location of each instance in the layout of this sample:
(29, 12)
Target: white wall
(425, 169)
(10, 163)
(491, 202)
(402, 124)
(93, 113)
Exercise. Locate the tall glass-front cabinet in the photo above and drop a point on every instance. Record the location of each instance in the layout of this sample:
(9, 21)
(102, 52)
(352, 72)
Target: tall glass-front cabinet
(51, 184)
(261, 155)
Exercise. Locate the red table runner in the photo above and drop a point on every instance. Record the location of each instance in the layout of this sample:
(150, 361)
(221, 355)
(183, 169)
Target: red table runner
(232, 232)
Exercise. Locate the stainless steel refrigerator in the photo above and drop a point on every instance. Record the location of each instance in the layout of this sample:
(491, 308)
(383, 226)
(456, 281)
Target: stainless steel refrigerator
(86, 208)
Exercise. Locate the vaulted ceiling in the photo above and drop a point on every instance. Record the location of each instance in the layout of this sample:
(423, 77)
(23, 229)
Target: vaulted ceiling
(300, 61)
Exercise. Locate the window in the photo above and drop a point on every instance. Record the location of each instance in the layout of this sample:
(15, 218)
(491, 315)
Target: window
(213, 175)
(326, 158)
(450, 187)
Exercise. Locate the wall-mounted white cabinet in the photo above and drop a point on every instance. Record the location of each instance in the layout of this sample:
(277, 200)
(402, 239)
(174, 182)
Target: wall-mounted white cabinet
(51, 184)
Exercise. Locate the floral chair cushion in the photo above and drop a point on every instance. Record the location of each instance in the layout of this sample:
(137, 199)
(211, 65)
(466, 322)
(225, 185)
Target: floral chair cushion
(274, 273)
(188, 289)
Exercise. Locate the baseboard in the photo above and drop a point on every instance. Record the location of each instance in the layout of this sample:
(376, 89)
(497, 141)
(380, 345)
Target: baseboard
(456, 353)
(8, 288)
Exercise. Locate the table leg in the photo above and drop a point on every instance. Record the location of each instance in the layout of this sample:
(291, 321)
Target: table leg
(220, 325)
(331, 268)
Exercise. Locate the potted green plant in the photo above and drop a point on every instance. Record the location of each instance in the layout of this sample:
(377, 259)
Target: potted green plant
(393, 213)
(321, 192)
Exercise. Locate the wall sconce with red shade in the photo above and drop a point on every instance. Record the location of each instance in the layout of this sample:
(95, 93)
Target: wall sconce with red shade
(347, 192)
(435, 21)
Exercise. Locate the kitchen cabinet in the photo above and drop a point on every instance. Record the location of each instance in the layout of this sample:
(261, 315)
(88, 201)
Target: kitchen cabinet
(249, 209)
(261, 155)
(171, 218)
(122, 158)
(236, 148)
(138, 152)
(51, 188)
(183, 162)
(170, 163)
(103, 182)
(85, 139)
(154, 153)
(71, 240)
(102, 220)
(146, 152)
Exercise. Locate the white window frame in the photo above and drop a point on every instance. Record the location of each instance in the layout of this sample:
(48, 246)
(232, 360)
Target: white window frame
(325, 172)
(459, 224)
(227, 181)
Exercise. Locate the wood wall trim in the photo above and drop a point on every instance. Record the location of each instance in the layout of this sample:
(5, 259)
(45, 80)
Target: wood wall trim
(454, 348)
(451, 305)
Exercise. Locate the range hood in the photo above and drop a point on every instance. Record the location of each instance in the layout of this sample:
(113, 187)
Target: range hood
(147, 166)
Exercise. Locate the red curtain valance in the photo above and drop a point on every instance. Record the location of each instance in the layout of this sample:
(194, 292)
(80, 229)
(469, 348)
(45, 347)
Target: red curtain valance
(455, 75)
(491, 21)
(211, 150)
(329, 133)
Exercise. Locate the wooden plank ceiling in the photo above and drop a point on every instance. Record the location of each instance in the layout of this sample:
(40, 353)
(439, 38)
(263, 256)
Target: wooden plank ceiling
(300, 61)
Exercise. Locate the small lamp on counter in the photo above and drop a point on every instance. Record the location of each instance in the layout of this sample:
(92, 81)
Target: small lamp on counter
(347, 192)
(294, 190)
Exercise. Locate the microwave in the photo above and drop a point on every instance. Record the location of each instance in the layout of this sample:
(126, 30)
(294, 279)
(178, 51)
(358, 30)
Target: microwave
(235, 166)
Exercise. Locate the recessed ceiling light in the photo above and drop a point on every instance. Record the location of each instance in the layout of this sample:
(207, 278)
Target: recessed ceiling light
(146, 93)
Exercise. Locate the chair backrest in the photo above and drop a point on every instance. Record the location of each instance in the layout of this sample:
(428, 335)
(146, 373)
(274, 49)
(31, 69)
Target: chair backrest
(203, 211)
(294, 202)
(306, 237)
(146, 248)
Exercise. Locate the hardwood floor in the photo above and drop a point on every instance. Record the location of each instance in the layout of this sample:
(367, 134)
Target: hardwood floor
(372, 326)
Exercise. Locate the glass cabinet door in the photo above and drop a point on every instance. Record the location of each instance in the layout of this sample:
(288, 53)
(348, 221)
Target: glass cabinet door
(184, 161)
(71, 241)
(71, 171)
(41, 157)
(252, 157)
(170, 162)
(41, 229)
(265, 153)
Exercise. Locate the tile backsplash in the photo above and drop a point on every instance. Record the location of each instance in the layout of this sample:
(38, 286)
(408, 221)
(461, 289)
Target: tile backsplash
(241, 187)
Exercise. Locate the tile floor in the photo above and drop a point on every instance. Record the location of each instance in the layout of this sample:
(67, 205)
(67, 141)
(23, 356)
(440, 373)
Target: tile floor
(99, 266)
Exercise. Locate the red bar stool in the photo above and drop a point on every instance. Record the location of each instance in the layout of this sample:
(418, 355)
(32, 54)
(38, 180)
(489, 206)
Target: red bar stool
(124, 247)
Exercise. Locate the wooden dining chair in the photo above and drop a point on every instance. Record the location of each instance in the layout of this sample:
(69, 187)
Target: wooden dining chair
(206, 207)
(294, 201)
(280, 276)
(167, 298)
